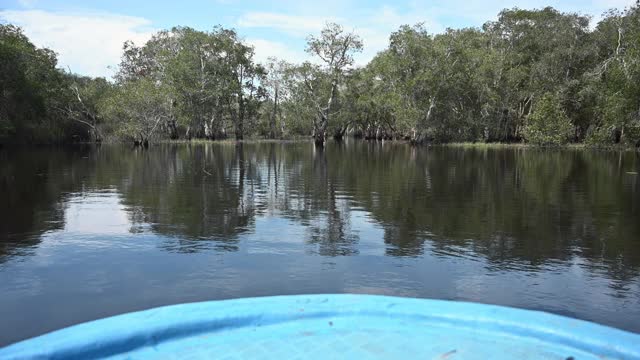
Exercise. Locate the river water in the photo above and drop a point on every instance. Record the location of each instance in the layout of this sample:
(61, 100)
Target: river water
(90, 232)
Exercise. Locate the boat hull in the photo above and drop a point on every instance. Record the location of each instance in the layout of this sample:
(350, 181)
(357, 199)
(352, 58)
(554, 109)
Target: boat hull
(333, 326)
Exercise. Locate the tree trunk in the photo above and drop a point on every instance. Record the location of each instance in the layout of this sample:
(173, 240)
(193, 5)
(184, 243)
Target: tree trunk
(95, 135)
(272, 134)
(419, 137)
(173, 130)
(208, 133)
(141, 141)
(215, 122)
(320, 131)
(339, 133)
(239, 131)
(240, 119)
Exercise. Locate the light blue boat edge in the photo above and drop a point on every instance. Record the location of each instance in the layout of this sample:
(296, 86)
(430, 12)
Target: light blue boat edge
(127, 332)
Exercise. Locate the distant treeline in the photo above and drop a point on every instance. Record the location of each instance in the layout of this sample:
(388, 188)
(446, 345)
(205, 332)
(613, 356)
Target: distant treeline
(536, 76)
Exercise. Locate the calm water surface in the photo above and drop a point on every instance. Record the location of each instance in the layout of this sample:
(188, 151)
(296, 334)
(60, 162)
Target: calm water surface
(92, 232)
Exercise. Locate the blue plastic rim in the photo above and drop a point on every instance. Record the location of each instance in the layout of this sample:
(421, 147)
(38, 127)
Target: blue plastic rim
(333, 326)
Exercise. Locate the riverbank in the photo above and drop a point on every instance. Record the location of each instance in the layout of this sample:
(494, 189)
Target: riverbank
(575, 146)
(469, 145)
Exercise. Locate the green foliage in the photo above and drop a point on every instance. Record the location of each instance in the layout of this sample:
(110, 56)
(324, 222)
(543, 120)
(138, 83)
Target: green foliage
(489, 84)
(140, 107)
(615, 79)
(548, 124)
(335, 49)
(600, 136)
(31, 89)
(210, 79)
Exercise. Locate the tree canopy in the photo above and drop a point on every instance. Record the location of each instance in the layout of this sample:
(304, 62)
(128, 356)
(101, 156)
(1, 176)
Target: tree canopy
(537, 76)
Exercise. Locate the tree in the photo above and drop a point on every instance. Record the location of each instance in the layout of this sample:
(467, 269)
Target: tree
(274, 82)
(540, 51)
(141, 107)
(470, 84)
(298, 108)
(613, 85)
(31, 89)
(334, 48)
(209, 77)
(246, 85)
(548, 124)
(83, 106)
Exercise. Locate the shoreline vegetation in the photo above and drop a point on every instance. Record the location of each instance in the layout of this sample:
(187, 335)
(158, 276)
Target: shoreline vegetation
(535, 77)
(300, 139)
(469, 145)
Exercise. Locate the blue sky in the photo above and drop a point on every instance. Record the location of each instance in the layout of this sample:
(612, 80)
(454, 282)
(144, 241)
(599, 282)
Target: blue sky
(88, 35)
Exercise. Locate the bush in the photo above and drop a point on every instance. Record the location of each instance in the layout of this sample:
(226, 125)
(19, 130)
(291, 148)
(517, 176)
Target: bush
(599, 136)
(548, 124)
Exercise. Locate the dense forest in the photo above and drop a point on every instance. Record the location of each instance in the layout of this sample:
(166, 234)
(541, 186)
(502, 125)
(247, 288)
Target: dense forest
(536, 76)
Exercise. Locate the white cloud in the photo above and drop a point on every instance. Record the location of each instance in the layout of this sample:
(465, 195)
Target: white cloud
(266, 48)
(374, 27)
(297, 25)
(389, 17)
(379, 25)
(88, 43)
(476, 13)
(27, 3)
(603, 5)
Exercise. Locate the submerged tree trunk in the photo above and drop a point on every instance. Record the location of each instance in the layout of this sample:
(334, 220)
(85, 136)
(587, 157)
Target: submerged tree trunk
(141, 141)
(95, 134)
(339, 133)
(320, 131)
(172, 128)
(239, 131)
